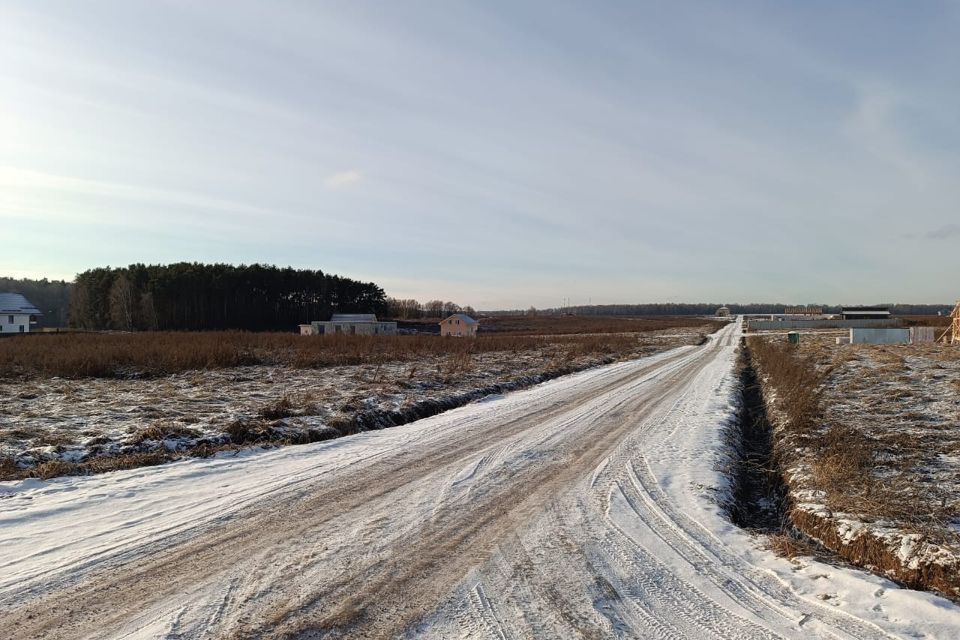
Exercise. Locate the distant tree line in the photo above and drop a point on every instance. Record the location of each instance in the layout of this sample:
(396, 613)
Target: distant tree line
(708, 308)
(411, 309)
(196, 296)
(52, 297)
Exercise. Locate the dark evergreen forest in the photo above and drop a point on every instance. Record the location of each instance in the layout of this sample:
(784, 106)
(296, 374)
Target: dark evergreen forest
(198, 297)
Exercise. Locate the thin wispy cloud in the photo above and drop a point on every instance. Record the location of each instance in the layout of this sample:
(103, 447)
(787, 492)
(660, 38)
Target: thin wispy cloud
(24, 181)
(342, 179)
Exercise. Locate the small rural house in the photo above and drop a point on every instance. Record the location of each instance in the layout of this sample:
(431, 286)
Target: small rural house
(723, 312)
(16, 313)
(459, 325)
(355, 324)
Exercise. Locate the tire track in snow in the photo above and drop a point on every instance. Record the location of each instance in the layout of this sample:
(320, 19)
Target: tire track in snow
(739, 580)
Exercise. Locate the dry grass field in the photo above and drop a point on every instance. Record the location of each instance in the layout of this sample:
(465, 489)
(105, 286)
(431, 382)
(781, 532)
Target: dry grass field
(124, 355)
(88, 402)
(926, 321)
(868, 438)
(554, 325)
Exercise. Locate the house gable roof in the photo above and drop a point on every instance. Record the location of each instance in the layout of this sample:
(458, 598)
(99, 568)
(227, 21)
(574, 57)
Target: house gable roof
(353, 317)
(16, 303)
(462, 318)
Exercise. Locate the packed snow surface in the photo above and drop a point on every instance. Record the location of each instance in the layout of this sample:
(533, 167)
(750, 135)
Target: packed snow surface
(586, 506)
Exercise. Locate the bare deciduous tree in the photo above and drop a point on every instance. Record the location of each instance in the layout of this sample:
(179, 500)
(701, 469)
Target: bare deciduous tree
(121, 303)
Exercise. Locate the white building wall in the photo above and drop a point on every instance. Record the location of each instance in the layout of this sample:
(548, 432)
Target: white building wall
(879, 336)
(12, 323)
(355, 328)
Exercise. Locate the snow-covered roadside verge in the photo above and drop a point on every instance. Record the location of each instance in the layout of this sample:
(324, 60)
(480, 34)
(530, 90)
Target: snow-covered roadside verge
(706, 490)
(868, 454)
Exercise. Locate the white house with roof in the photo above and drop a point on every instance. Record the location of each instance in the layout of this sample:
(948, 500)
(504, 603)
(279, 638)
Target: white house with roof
(17, 313)
(354, 324)
(459, 325)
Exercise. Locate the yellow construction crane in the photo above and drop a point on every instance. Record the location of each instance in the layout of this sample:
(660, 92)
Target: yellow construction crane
(952, 334)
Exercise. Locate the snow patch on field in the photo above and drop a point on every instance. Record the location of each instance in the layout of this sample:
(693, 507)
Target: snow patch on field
(57, 419)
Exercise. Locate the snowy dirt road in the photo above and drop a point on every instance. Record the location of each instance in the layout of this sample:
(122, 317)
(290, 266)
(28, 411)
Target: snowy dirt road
(584, 507)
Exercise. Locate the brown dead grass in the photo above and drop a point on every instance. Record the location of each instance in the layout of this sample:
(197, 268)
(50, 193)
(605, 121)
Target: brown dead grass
(163, 431)
(793, 546)
(552, 325)
(246, 430)
(9, 469)
(282, 408)
(925, 321)
(56, 468)
(797, 383)
(109, 355)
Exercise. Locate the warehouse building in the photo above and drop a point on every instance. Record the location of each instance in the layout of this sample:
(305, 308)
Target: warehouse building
(865, 313)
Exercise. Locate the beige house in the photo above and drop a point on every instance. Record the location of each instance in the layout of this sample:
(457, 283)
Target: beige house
(459, 325)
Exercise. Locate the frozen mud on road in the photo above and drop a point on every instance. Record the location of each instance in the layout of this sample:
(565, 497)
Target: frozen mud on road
(590, 506)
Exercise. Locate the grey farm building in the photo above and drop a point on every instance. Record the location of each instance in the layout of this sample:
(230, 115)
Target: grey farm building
(354, 324)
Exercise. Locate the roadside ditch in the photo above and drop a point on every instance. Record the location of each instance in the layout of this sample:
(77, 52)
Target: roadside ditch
(761, 501)
(763, 494)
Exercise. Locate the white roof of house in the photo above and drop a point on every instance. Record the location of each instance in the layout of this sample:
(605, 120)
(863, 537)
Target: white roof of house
(462, 318)
(353, 317)
(16, 303)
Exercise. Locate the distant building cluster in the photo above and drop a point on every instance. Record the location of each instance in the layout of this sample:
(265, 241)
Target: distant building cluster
(459, 325)
(803, 311)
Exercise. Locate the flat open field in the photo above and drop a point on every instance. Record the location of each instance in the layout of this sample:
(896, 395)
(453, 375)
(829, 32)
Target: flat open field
(79, 403)
(553, 325)
(868, 438)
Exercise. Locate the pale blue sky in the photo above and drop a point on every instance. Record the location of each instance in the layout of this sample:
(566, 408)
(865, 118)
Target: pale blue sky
(498, 154)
